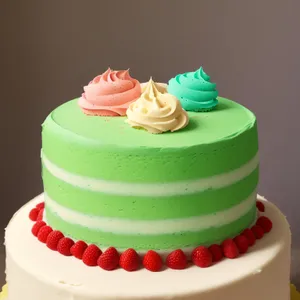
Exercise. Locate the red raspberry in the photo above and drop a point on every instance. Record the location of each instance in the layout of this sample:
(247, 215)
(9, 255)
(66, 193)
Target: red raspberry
(260, 206)
(258, 231)
(129, 260)
(37, 226)
(43, 233)
(91, 255)
(216, 252)
(40, 215)
(265, 223)
(177, 260)
(109, 259)
(152, 261)
(64, 246)
(230, 249)
(33, 214)
(53, 239)
(248, 233)
(78, 249)
(40, 205)
(202, 257)
(242, 243)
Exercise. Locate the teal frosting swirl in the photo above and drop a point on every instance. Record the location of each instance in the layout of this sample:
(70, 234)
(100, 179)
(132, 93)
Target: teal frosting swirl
(194, 90)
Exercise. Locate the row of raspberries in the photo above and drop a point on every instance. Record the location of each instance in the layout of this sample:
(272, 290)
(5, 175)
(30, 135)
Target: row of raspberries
(130, 260)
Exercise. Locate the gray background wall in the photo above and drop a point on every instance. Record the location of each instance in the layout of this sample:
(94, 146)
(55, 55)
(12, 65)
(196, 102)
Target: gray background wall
(50, 49)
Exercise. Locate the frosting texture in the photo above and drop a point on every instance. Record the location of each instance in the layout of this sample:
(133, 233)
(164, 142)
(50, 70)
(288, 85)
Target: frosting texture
(110, 94)
(194, 90)
(156, 112)
(100, 172)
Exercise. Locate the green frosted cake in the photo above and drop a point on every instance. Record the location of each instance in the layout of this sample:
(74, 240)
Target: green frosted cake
(150, 192)
(111, 184)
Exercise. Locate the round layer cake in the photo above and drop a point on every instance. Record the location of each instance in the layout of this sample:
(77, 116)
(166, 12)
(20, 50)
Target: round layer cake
(34, 272)
(112, 185)
(134, 171)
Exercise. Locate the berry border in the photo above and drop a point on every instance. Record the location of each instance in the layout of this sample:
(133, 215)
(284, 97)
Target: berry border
(130, 260)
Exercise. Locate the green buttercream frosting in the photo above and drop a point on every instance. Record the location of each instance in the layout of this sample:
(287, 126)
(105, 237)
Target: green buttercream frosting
(219, 141)
(149, 208)
(156, 242)
(194, 90)
(216, 144)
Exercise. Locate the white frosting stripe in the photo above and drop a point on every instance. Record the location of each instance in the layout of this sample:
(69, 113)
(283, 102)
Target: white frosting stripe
(126, 226)
(152, 189)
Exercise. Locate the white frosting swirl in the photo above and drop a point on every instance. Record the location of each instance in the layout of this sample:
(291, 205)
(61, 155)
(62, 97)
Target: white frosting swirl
(156, 112)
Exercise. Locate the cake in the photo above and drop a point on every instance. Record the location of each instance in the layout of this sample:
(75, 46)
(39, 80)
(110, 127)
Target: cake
(150, 192)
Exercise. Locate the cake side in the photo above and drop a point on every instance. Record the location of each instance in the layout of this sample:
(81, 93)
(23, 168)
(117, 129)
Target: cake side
(111, 185)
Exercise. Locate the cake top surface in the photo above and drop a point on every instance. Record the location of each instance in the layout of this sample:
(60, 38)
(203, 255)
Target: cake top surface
(227, 120)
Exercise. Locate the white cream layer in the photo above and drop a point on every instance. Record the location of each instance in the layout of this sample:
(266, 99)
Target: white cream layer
(152, 189)
(126, 226)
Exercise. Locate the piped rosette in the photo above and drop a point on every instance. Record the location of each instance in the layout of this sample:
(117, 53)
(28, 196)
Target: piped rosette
(156, 111)
(194, 90)
(110, 94)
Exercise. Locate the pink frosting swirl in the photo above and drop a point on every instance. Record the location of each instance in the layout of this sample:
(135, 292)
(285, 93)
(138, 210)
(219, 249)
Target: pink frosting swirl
(110, 94)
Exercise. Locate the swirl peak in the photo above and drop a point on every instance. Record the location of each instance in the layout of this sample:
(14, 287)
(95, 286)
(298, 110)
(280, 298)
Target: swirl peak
(156, 112)
(194, 90)
(151, 89)
(110, 94)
